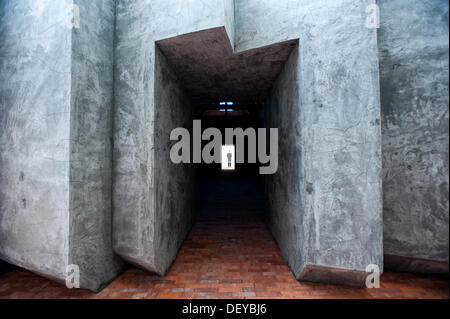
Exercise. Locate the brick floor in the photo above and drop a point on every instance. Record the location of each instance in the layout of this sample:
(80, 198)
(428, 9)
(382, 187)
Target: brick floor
(228, 254)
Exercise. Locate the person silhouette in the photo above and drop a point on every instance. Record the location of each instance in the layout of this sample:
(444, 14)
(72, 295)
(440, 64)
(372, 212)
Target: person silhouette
(229, 155)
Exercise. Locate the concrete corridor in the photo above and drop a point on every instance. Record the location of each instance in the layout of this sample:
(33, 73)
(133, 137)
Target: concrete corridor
(87, 181)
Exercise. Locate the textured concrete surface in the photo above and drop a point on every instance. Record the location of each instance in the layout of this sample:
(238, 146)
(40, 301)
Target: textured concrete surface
(229, 20)
(415, 265)
(169, 221)
(264, 22)
(282, 190)
(139, 25)
(413, 46)
(340, 218)
(341, 138)
(90, 243)
(35, 91)
(55, 141)
(174, 207)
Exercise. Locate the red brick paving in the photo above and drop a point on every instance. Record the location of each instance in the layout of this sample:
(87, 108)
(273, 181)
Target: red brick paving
(229, 255)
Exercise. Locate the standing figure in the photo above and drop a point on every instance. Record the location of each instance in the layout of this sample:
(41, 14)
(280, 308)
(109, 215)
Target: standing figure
(229, 155)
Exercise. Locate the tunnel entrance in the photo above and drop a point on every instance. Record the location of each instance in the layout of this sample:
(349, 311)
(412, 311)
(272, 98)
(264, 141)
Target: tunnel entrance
(226, 190)
(199, 77)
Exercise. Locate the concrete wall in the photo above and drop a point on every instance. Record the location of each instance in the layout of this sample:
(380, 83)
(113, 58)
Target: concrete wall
(339, 125)
(282, 190)
(264, 22)
(55, 141)
(413, 46)
(138, 25)
(35, 90)
(229, 20)
(341, 142)
(90, 241)
(55, 134)
(174, 207)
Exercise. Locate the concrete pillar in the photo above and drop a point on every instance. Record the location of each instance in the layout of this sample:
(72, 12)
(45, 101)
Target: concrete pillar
(55, 138)
(152, 197)
(328, 219)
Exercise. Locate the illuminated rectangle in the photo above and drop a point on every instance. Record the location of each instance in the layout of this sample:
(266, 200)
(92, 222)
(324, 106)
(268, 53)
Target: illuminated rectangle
(227, 157)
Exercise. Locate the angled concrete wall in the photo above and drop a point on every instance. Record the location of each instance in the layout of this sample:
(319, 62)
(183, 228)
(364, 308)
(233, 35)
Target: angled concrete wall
(90, 243)
(55, 139)
(341, 143)
(339, 128)
(282, 190)
(229, 20)
(136, 197)
(413, 44)
(35, 90)
(174, 207)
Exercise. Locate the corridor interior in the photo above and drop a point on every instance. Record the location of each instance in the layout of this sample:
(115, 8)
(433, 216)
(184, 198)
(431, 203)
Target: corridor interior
(229, 252)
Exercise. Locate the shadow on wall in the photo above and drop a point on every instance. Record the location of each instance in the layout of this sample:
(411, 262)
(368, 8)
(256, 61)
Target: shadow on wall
(5, 267)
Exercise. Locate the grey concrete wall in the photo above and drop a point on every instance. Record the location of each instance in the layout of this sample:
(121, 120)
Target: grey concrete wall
(341, 142)
(413, 44)
(264, 22)
(174, 207)
(133, 137)
(35, 88)
(55, 133)
(229, 20)
(282, 190)
(339, 125)
(138, 25)
(90, 243)
(55, 144)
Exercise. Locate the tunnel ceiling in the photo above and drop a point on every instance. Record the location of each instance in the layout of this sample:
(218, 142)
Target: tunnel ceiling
(210, 72)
